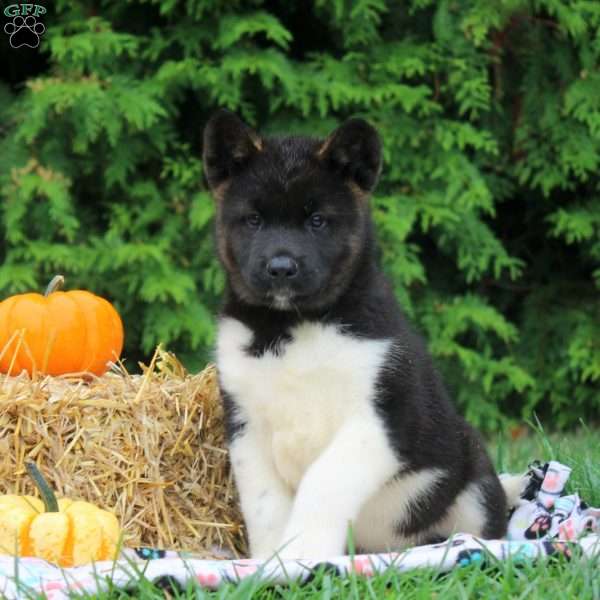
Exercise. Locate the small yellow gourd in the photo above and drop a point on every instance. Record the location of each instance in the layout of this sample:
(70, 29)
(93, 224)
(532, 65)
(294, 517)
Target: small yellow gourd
(66, 532)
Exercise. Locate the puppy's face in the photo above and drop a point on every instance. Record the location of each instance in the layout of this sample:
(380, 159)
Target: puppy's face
(292, 213)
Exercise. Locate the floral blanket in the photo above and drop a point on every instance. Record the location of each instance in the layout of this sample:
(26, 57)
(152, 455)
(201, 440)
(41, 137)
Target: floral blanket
(545, 523)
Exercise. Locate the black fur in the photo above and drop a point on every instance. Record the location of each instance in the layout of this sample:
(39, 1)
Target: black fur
(286, 180)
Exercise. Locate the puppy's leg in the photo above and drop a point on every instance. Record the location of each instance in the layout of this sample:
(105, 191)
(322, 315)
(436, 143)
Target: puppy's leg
(480, 509)
(265, 499)
(353, 467)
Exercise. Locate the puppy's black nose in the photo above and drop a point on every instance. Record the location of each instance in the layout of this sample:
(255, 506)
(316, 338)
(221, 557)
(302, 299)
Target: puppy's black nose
(282, 266)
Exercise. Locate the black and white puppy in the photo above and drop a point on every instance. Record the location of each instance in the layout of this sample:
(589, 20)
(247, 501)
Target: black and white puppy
(336, 415)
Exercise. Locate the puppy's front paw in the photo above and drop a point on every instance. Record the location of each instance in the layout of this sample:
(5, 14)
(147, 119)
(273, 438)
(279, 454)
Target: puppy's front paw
(310, 545)
(265, 548)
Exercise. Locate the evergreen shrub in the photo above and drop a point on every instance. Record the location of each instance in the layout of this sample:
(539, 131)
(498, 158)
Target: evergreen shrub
(488, 208)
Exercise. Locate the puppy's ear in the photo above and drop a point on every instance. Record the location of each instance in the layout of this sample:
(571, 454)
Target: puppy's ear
(228, 146)
(354, 151)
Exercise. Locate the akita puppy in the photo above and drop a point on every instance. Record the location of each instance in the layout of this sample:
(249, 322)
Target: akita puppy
(336, 416)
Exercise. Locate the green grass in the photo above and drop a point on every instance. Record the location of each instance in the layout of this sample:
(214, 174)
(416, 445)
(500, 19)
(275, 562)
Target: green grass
(549, 579)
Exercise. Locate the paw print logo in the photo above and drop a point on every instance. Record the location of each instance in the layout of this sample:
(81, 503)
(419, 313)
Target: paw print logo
(24, 31)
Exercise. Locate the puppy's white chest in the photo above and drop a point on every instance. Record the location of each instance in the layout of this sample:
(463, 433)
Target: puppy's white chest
(300, 398)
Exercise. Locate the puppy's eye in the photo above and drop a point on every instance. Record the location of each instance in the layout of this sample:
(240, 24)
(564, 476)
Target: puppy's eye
(317, 221)
(254, 220)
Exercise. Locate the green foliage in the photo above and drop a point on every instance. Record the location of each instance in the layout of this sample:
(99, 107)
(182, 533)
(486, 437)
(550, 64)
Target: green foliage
(488, 208)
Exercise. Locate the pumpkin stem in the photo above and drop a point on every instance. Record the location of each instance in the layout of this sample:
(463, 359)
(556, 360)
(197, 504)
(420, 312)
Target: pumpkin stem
(43, 487)
(55, 284)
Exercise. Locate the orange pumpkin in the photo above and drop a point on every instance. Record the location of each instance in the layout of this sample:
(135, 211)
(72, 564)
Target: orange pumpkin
(59, 332)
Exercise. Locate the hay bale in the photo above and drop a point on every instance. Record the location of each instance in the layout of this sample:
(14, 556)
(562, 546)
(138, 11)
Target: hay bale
(149, 447)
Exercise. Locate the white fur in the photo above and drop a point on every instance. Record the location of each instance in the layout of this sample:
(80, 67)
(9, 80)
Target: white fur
(513, 486)
(378, 521)
(266, 500)
(466, 514)
(313, 450)
(314, 457)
